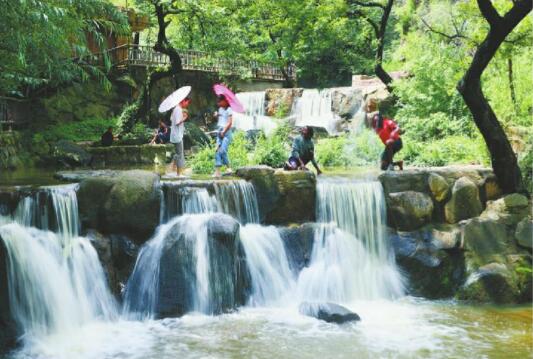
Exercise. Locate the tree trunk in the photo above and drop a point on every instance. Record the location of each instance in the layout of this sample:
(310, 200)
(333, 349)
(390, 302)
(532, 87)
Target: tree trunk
(378, 69)
(504, 161)
(511, 84)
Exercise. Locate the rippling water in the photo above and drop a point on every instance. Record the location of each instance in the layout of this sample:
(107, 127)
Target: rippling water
(407, 328)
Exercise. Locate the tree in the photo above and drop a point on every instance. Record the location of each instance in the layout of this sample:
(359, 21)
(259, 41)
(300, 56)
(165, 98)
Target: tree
(504, 161)
(43, 44)
(379, 28)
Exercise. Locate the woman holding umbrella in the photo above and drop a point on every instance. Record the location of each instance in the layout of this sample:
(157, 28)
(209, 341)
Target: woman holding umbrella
(227, 103)
(178, 101)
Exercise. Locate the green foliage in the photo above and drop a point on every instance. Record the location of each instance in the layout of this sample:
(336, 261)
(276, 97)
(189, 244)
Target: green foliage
(240, 150)
(272, 151)
(41, 39)
(203, 161)
(349, 151)
(445, 151)
(86, 130)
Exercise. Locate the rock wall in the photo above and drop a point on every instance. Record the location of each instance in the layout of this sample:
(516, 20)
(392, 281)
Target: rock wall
(454, 234)
(130, 155)
(10, 150)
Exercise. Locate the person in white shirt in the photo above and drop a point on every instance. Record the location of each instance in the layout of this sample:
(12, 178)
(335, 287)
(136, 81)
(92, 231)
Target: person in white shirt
(180, 114)
(224, 135)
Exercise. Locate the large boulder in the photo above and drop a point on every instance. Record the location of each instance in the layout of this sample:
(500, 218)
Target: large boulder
(431, 260)
(400, 181)
(491, 283)
(328, 312)
(509, 209)
(285, 196)
(69, 154)
(486, 241)
(439, 186)
(128, 203)
(298, 242)
(346, 101)
(226, 277)
(524, 233)
(279, 102)
(409, 210)
(464, 202)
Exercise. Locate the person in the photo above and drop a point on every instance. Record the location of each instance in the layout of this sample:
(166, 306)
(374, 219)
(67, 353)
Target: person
(389, 133)
(162, 135)
(108, 137)
(224, 135)
(179, 115)
(303, 152)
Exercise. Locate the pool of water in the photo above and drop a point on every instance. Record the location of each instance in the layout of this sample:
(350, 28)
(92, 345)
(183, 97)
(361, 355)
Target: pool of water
(407, 328)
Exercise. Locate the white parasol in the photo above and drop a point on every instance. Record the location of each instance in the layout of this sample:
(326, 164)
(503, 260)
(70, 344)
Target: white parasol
(174, 99)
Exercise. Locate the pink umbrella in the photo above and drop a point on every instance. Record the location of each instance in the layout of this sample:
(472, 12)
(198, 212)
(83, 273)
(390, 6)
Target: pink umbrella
(230, 96)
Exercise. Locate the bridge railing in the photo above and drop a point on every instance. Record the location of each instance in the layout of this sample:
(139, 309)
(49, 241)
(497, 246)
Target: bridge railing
(192, 60)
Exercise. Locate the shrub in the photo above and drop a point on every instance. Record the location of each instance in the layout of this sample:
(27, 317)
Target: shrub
(274, 150)
(203, 161)
(349, 151)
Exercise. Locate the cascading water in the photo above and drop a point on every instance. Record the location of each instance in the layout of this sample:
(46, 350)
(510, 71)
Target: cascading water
(350, 259)
(254, 118)
(236, 198)
(313, 108)
(272, 279)
(56, 282)
(183, 252)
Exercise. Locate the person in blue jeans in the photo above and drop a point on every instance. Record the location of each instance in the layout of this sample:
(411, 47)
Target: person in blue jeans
(224, 135)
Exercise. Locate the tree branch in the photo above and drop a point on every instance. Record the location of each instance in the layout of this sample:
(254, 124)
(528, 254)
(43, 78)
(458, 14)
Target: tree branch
(367, 4)
(489, 12)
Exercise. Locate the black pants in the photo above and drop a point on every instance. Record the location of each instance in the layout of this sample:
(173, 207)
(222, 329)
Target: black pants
(389, 152)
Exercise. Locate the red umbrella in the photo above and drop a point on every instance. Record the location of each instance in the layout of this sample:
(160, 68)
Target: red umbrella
(230, 96)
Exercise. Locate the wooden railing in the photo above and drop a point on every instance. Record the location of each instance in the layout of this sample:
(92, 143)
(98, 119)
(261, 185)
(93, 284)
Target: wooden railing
(146, 56)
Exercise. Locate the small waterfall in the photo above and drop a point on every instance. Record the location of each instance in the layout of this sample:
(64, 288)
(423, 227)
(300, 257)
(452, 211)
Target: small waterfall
(181, 253)
(51, 208)
(56, 282)
(313, 108)
(254, 118)
(272, 279)
(351, 259)
(236, 198)
(177, 200)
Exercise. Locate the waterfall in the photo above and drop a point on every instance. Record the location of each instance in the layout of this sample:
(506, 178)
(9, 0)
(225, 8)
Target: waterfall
(56, 282)
(193, 268)
(51, 208)
(236, 198)
(254, 118)
(178, 199)
(313, 108)
(350, 259)
(272, 279)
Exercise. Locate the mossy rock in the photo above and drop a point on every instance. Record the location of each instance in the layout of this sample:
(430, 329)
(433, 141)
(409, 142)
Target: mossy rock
(491, 283)
(126, 204)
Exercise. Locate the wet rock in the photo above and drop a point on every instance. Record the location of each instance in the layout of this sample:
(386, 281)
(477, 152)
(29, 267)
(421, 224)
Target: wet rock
(431, 260)
(524, 233)
(409, 210)
(400, 181)
(69, 154)
(8, 329)
(126, 204)
(328, 312)
(491, 283)
(80, 175)
(438, 186)
(177, 279)
(464, 202)
(117, 254)
(284, 196)
(491, 189)
(298, 242)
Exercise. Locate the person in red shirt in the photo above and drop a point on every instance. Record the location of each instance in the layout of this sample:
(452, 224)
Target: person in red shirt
(389, 133)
